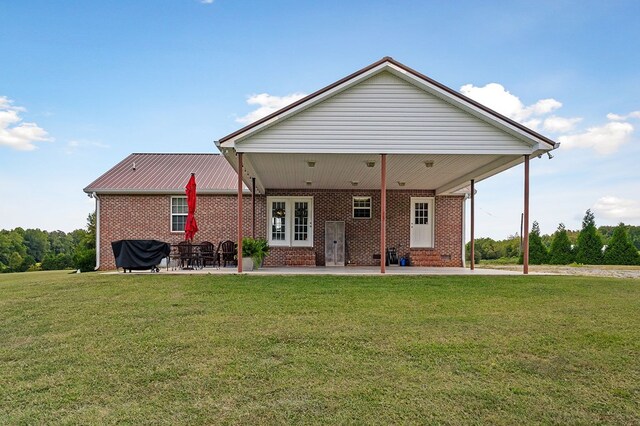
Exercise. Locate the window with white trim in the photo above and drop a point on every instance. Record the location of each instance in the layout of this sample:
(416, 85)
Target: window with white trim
(290, 221)
(179, 210)
(362, 207)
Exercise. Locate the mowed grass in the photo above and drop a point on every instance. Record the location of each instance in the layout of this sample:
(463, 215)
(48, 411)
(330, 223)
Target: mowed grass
(162, 349)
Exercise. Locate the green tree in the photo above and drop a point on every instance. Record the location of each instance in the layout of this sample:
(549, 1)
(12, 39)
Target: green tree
(59, 242)
(620, 250)
(37, 243)
(589, 245)
(632, 231)
(561, 252)
(538, 253)
(84, 257)
(15, 262)
(11, 242)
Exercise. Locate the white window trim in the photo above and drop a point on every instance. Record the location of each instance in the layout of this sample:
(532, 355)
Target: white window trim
(171, 214)
(288, 240)
(353, 207)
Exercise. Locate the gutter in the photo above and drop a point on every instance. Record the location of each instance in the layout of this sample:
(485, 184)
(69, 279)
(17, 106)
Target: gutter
(177, 191)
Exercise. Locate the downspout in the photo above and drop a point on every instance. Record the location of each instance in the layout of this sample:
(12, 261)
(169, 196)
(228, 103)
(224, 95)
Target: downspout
(94, 195)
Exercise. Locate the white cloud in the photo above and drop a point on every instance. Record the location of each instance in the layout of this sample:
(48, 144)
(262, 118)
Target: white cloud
(560, 124)
(616, 117)
(15, 133)
(604, 139)
(267, 104)
(206, 1)
(619, 209)
(496, 97)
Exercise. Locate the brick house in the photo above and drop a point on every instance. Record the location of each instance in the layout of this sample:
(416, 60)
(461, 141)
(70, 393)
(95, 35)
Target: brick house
(383, 158)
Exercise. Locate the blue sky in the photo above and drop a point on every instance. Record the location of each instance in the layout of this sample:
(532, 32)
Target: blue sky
(83, 84)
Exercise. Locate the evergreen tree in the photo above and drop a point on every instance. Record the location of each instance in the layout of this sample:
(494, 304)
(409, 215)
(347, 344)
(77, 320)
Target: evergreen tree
(561, 252)
(589, 245)
(621, 250)
(538, 253)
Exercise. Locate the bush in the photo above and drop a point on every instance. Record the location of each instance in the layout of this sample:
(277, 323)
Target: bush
(561, 252)
(589, 245)
(53, 262)
(84, 259)
(621, 250)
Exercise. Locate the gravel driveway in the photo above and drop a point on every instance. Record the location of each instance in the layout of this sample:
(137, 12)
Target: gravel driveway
(589, 270)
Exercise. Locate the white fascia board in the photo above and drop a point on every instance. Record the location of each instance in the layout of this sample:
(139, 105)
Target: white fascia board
(233, 142)
(468, 107)
(387, 150)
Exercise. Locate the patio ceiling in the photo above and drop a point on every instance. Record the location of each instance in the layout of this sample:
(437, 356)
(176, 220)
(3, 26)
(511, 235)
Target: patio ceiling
(443, 173)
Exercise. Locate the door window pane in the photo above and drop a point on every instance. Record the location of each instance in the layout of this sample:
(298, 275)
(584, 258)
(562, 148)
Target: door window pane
(301, 221)
(278, 220)
(421, 214)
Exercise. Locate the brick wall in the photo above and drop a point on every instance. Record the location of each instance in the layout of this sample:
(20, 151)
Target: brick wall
(363, 235)
(148, 217)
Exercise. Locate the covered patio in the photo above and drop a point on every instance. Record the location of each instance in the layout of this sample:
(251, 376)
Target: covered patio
(384, 133)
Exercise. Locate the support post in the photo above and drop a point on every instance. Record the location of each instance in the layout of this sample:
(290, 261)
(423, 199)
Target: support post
(525, 248)
(383, 212)
(253, 207)
(473, 230)
(239, 212)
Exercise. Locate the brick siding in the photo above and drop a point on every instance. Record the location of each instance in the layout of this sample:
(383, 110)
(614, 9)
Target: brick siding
(148, 217)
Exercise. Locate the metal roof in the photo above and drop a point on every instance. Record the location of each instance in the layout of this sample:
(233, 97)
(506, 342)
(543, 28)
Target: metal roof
(167, 173)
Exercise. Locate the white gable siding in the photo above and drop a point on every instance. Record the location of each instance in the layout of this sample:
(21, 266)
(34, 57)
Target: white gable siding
(383, 114)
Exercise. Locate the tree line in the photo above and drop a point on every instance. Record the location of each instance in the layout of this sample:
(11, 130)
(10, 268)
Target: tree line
(606, 245)
(34, 249)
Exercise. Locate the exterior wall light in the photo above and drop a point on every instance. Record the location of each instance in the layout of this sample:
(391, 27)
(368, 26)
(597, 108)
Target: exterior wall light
(428, 163)
(354, 183)
(311, 163)
(401, 183)
(371, 163)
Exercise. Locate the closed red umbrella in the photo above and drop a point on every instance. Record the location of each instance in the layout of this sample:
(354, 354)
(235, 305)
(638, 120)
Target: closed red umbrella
(191, 227)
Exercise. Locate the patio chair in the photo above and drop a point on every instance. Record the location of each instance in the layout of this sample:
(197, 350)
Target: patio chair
(228, 252)
(208, 254)
(188, 255)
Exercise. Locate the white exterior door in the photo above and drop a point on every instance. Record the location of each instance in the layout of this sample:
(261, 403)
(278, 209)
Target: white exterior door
(421, 222)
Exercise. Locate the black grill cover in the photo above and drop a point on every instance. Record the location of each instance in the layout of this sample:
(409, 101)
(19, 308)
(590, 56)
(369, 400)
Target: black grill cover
(139, 254)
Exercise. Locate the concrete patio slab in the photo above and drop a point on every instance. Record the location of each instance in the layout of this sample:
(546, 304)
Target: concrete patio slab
(322, 270)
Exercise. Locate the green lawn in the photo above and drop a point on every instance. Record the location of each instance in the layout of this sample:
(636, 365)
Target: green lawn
(91, 348)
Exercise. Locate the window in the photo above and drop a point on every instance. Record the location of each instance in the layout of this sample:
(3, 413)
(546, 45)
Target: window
(179, 210)
(362, 207)
(290, 221)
